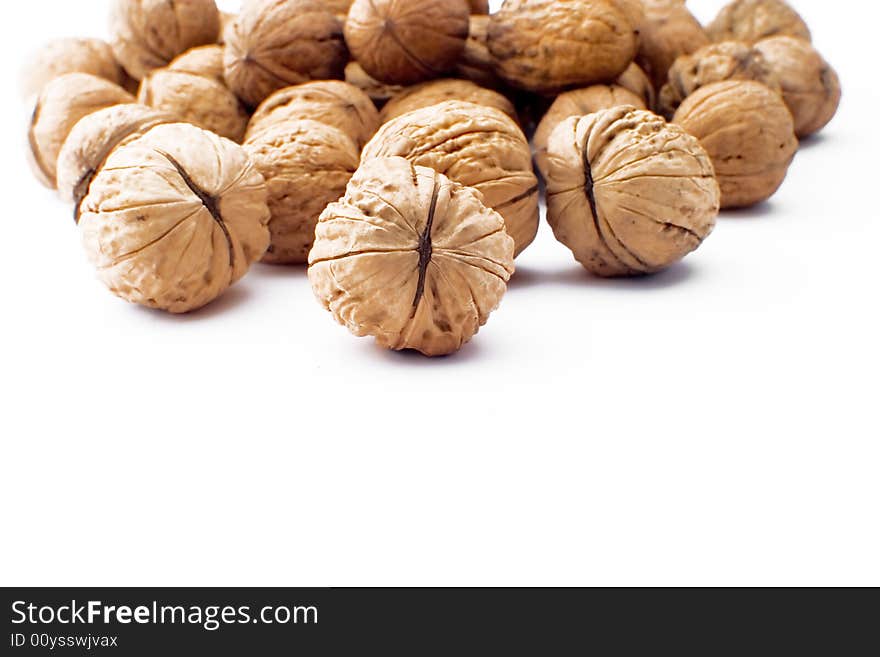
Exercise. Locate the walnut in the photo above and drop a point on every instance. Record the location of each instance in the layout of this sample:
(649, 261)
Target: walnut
(93, 139)
(438, 91)
(61, 56)
(476, 63)
(474, 145)
(338, 7)
(627, 192)
(206, 61)
(749, 133)
(274, 44)
(148, 34)
(753, 20)
(379, 92)
(810, 87)
(411, 258)
(333, 102)
(479, 7)
(205, 102)
(63, 102)
(634, 79)
(306, 165)
(717, 62)
(175, 217)
(227, 18)
(579, 102)
(407, 42)
(668, 32)
(549, 45)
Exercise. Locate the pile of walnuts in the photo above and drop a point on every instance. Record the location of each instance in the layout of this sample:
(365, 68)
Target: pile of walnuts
(384, 143)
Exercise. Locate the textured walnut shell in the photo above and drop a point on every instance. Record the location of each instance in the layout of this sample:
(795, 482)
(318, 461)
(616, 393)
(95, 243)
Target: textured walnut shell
(63, 102)
(62, 56)
(476, 146)
(411, 258)
(717, 62)
(579, 102)
(476, 62)
(94, 138)
(204, 102)
(407, 42)
(274, 44)
(338, 7)
(548, 45)
(379, 92)
(148, 34)
(439, 91)
(175, 217)
(634, 79)
(306, 165)
(333, 102)
(749, 134)
(668, 32)
(752, 20)
(627, 192)
(206, 61)
(810, 86)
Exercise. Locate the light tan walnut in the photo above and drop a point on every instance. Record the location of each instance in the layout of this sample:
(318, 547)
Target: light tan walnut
(637, 81)
(175, 217)
(439, 91)
(411, 258)
(274, 44)
(379, 92)
(227, 18)
(407, 42)
(749, 134)
(668, 32)
(627, 192)
(61, 56)
(148, 34)
(206, 61)
(474, 145)
(306, 165)
(753, 20)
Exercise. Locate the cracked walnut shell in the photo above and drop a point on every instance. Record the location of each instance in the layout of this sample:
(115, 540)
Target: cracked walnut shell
(627, 192)
(149, 34)
(669, 31)
(175, 217)
(61, 56)
(439, 91)
(753, 20)
(411, 258)
(477, 146)
(749, 134)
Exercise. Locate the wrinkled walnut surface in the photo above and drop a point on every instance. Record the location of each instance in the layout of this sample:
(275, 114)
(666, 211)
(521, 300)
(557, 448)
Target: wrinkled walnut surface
(627, 192)
(379, 92)
(278, 43)
(61, 56)
(749, 134)
(333, 102)
(753, 20)
(306, 165)
(411, 258)
(407, 42)
(439, 91)
(206, 61)
(668, 32)
(148, 34)
(476, 146)
(63, 102)
(175, 217)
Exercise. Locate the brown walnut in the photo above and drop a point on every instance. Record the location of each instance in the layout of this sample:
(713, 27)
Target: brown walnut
(411, 258)
(668, 32)
(439, 91)
(175, 217)
(206, 61)
(479, 7)
(274, 44)
(379, 92)
(749, 134)
(148, 34)
(627, 192)
(474, 145)
(61, 56)
(476, 63)
(306, 165)
(407, 42)
(753, 20)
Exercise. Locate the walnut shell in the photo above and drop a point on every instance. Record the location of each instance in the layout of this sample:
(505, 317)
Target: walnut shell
(549, 45)
(175, 217)
(749, 134)
(63, 102)
(379, 92)
(206, 61)
(407, 42)
(411, 258)
(717, 62)
(227, 18)
(634, 79)
(333, 102)
(476, 63)
(306, 165)
(93, 139)
(579, 102)
(810, 87)
(627, 192)
(148, 34)
(61, 56)
(274, 44)
(204, 102)
(338, 7)
(479, 7)
(753, 20)
(668, 32)
(439, 91)
(474, 145)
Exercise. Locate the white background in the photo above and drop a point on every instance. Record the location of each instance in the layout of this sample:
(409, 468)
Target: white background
(716, 424)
